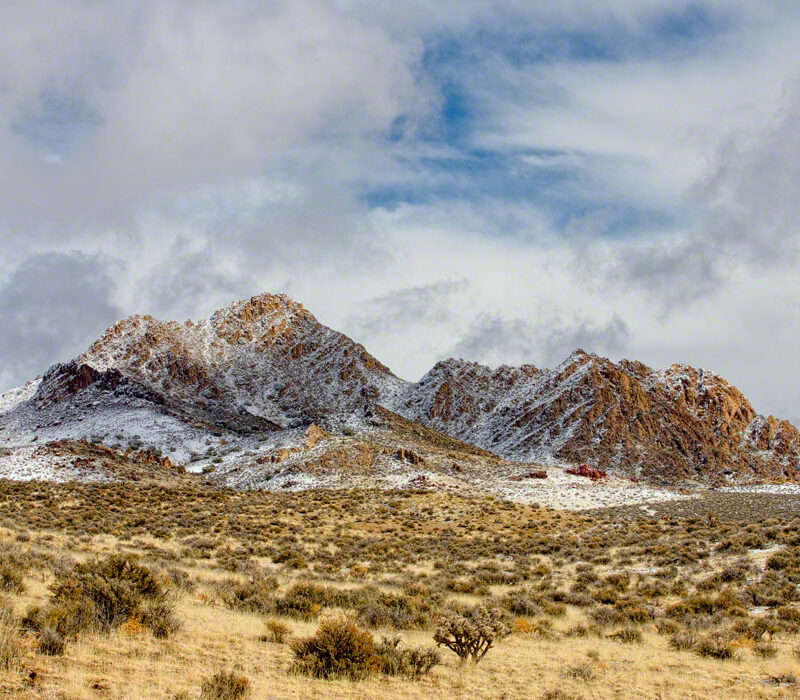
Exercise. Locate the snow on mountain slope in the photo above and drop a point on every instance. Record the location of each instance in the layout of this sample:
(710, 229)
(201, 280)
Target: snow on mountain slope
(670, 425)
(189, 390)
(14, 397)
(236, 391)
(266, 357)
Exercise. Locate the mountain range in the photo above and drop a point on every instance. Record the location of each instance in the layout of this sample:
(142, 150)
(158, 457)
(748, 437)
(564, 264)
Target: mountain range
(263, 395)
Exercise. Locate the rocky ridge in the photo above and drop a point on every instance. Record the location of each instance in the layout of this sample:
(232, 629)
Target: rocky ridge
(674, 425)
(263, 395)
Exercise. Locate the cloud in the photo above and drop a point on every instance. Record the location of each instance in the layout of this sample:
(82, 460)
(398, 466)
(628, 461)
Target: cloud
(494, 340)
(748, 220)
(425, 305)
(51, 308)
(507, 180)
(175, 94)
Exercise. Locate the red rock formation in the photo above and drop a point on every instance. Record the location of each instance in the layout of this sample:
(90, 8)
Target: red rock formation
(264, 357)
(588, 472)
(539, 474)
(266, 363)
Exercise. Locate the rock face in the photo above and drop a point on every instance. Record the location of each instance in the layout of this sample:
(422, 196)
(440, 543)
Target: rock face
(668, 425)
(264, 377)
(266, 361)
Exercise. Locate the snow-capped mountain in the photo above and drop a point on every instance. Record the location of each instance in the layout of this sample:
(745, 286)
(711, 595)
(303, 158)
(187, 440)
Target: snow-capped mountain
(262, 383)
(668, 425)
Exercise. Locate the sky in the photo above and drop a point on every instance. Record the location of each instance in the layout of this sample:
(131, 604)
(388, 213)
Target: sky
(501, 181)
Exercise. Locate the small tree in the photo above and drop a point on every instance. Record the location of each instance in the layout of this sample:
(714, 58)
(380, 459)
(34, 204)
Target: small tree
(472, 634)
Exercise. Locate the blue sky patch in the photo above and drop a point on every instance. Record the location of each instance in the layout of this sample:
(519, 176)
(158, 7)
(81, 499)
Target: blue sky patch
(57, 123)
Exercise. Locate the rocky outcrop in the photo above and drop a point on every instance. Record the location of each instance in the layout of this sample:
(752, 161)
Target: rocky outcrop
(265, 365)
(586, 471)
(266, 357)
(673, 425)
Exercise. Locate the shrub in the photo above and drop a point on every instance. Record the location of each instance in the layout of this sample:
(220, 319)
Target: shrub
(628, 635)
(338, 649)
(51, 643)
(115, 587)
(159, 617)
(66, 618)
(11, 578)
(412, 662)
(725, 602)
(398, 612)
(100, 596)
(277, 631)
(667, 627)
(755, 628)
(255, 595)
(714, 646)
(780, 561)
(682, 641)
(583, 671)
(518, 603)
(472, 634)
(766, 650)
(224, 685)
(303, 601)
(788, 613)
(620, 581)
(605, 616)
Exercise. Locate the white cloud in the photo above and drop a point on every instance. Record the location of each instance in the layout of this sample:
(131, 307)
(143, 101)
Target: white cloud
(224, 150)
(186, 92)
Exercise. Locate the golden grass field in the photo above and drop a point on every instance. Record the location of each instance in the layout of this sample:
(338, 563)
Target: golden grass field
(584, 577)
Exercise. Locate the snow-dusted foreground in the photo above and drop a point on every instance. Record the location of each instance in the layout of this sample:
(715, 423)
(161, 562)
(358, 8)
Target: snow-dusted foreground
(32, 463)
(558, 490)
(789, 489)
(562, 490)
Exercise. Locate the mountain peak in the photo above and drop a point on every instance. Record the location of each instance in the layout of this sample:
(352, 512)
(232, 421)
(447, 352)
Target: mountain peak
(265, 363)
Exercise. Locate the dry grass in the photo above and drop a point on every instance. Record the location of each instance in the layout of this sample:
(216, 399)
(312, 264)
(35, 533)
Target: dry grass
(593, 603)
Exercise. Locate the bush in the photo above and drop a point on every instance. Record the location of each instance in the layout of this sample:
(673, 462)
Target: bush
(412, 662)
(518, 603)
(472, 634)
(115, 587)
(277, 631)
(682, 641)
(755, 628)
(715, 647)
(11, 578)
(303, 601)
(628, 635)
(788, 613)
(667, 627)
(398, 612)
(766, 650)
(159, 617)
(338, 649)
(583, 671)
(255, 595)
(224, 685)
(103, 595)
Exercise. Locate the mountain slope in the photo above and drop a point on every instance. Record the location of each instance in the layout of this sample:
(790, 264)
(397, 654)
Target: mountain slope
(238, 392)
(266, 357)
(670, 425)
